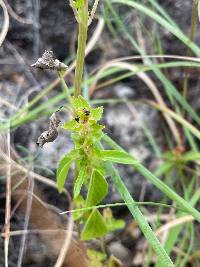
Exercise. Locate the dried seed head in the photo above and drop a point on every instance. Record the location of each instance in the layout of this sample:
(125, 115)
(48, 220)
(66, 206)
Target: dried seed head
(49, 63)
(54, 121)
(46, 137)
(51, 134)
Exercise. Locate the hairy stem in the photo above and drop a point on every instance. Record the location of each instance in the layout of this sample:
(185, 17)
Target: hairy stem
(82, 39)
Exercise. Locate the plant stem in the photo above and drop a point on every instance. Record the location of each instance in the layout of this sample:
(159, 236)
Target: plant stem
(64, 86)
(82, 39)
(191, 38)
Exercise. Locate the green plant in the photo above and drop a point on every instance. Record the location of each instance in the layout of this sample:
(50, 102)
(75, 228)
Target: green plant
(93, 164)
(89, 156)
(168, 168)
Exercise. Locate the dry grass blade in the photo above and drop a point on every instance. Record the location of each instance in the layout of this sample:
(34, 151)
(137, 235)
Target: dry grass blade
(150, 84)
(8, 201)
(190, 259)
(193, 59)
(67, 239)
(15, 16)
(195, 131)
(174, 223)
(72, 253)
(5, 26)
(35, 232)
(26, 220)
(7, 104)
(93, 11)
(171, 222)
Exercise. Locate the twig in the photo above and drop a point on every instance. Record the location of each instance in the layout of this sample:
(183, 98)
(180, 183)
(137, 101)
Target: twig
(5, 23)
(193, 59)
(26, 221)
(72, 4)
(65, 87)
(8, 201)
(21, 59)
(7, 104)
(14, 210)
(68, 237)
(199, 10)
(93, 11)
(15, 16)
(35, 232)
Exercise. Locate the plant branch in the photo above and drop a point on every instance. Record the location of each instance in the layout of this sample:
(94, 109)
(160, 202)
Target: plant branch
(72, 4)
(8, 201)
(64, 86)
(93, 11)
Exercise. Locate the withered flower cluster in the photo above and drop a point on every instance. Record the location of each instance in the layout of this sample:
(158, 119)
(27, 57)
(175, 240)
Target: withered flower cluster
(47, 62)
(52, 133)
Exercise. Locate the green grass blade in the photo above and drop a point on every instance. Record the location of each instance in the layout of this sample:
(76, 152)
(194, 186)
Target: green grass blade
(163, 12)
(163, 22)
(135, 211)
(158, 183)
(180, 99)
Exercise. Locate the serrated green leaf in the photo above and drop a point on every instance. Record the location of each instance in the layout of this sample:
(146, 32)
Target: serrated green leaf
(98, 189)
(114, 224)
(94, 227)
(96, 113)
(79, 181)
(117, 156)
(72, 155)
(79, 103)
(63, 169)
(62, 176)
(71, 126)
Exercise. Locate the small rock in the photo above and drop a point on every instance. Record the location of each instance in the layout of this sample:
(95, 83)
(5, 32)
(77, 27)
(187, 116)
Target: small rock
(119, 251)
